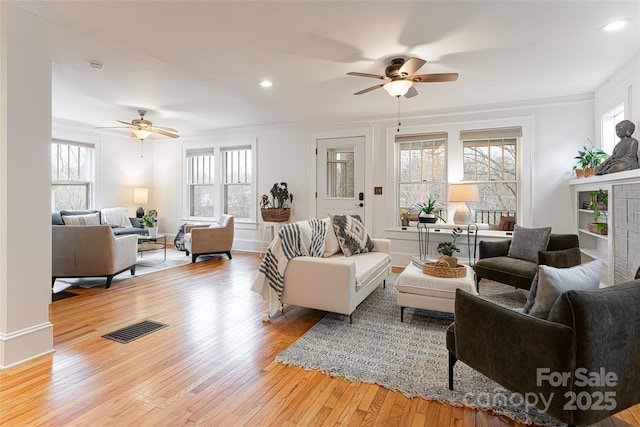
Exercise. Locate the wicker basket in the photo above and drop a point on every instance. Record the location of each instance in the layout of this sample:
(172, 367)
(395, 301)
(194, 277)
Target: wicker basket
(441, 269)
(275, 214)
(593, 227)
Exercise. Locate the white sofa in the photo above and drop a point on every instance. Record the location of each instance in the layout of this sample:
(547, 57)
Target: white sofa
(337, 283)
(334, 282)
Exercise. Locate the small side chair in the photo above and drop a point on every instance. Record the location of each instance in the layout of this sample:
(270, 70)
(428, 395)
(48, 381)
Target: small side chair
(209, 239)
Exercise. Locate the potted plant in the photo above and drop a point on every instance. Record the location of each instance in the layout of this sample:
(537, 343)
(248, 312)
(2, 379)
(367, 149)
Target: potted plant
(150, 220)
(278, 208)
(588, 159)
(428, 211)
(599, 205)
(446, 249)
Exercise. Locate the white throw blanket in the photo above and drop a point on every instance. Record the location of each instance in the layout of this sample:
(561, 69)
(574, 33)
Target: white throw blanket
(302, 238)
(116, 217)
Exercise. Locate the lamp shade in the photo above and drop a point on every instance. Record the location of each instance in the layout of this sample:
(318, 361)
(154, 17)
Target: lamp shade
(141, 196)
(398, 87)
(463, 193)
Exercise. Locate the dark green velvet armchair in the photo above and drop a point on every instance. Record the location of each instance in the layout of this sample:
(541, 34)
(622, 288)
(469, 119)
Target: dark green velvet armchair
(594, 331)
(495, 264)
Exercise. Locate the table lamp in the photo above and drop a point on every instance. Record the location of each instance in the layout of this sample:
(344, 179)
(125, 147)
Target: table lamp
(140, 197)
(463, 193)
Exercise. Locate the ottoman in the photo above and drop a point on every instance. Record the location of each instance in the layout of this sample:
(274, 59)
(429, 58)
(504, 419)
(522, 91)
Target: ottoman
(418, 290)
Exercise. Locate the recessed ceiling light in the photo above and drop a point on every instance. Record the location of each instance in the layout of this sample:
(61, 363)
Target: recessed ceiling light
(615, 25)
(265, 83)
(96, 65)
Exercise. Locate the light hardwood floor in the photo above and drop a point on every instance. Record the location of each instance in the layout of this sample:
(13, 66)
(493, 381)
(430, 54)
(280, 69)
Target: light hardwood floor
(212, 366)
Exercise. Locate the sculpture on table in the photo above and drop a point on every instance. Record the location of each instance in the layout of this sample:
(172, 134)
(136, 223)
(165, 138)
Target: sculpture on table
(625, 153)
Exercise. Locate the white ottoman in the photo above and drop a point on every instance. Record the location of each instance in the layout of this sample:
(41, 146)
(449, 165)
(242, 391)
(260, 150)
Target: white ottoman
(418, 290)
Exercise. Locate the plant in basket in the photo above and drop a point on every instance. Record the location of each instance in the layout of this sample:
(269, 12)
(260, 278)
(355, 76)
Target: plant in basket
(278, 208)
(599, 205)
(448, 248)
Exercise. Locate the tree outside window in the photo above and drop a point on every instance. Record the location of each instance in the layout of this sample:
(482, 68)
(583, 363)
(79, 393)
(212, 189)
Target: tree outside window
(72, 175)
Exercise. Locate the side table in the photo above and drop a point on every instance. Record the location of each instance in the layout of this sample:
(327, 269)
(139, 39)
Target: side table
(147, 243)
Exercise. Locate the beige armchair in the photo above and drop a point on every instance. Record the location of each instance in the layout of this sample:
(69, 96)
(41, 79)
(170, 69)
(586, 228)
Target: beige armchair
(91, 251)
(209, 239)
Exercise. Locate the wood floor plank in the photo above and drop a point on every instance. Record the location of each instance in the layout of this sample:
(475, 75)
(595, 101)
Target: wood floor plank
(213, 365)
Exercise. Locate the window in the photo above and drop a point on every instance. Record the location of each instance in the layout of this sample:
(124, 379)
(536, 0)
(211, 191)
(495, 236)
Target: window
(201, 168)
(219, 180)
(72, 175)
(490, 161)
(609, 121)
(237, 182)
(421, 167)
(340, 173)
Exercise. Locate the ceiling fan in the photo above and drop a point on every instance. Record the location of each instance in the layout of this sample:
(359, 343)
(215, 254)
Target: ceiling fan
(400, 77)
(143, 128)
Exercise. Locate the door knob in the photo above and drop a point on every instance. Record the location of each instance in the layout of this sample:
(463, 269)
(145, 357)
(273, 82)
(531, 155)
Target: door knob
(360, 204)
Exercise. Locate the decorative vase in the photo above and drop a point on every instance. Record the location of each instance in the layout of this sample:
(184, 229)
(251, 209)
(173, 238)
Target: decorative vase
(153, 231)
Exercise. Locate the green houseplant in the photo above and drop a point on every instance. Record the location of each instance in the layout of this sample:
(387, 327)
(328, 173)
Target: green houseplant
(278, 208)
(599, 205)
(446, 249)
(150, 220)
(588, 158)
(428, 211)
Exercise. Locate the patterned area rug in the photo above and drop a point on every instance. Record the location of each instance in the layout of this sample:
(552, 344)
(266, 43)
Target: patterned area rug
(409, 357)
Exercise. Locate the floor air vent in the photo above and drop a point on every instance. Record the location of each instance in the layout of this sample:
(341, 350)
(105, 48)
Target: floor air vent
(133, 332)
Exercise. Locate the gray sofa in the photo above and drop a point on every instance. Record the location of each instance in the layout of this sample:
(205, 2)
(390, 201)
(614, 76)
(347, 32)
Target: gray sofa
(138, 227)
(594, 331)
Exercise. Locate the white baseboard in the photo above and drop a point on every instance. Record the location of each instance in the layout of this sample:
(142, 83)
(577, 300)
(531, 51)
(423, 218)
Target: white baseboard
(26, 344)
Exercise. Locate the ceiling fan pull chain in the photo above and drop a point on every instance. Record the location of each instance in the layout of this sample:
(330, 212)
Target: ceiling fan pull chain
(399, 123)
(141, 149)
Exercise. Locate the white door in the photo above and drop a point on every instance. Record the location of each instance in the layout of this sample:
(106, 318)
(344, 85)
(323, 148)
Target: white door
(340, 176)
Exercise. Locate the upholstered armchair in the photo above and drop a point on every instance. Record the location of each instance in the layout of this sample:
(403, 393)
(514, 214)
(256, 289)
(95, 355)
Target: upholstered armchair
(91, 251)
(209, 239)
(494, 262)
(587, 334)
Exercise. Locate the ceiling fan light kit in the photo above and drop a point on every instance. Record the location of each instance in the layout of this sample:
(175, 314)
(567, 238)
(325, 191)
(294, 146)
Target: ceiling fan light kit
(398, 88)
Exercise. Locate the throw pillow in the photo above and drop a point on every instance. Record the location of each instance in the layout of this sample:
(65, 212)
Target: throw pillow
(352, 235)
(564, 258)
(331, 245)
(527, 242)
(552, 282)
(89, 219)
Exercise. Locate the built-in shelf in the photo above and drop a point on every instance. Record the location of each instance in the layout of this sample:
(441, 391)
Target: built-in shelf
(595, 254)
(599, 236)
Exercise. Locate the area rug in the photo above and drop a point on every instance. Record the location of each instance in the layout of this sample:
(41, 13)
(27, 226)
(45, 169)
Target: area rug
(150, 262)
(409, 357)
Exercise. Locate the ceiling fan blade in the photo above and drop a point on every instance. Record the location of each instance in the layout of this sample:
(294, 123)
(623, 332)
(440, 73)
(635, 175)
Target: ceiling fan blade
(369, 89)
(162, 132)
(114, 127)
(434, 78)
(411, 66)
(411, 92)
(125, 123)
(373, 76)
(162, 128)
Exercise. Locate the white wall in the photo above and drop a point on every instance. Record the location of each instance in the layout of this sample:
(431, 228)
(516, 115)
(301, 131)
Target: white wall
(559, 127)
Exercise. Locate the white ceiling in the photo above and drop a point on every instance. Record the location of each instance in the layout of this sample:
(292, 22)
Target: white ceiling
(195, 65)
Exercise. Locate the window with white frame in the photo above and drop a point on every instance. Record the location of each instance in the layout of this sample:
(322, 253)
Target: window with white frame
(422, 171)
(490, 160)
(237, 200)
(72, 175)
(609, 122)
(201, 182)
